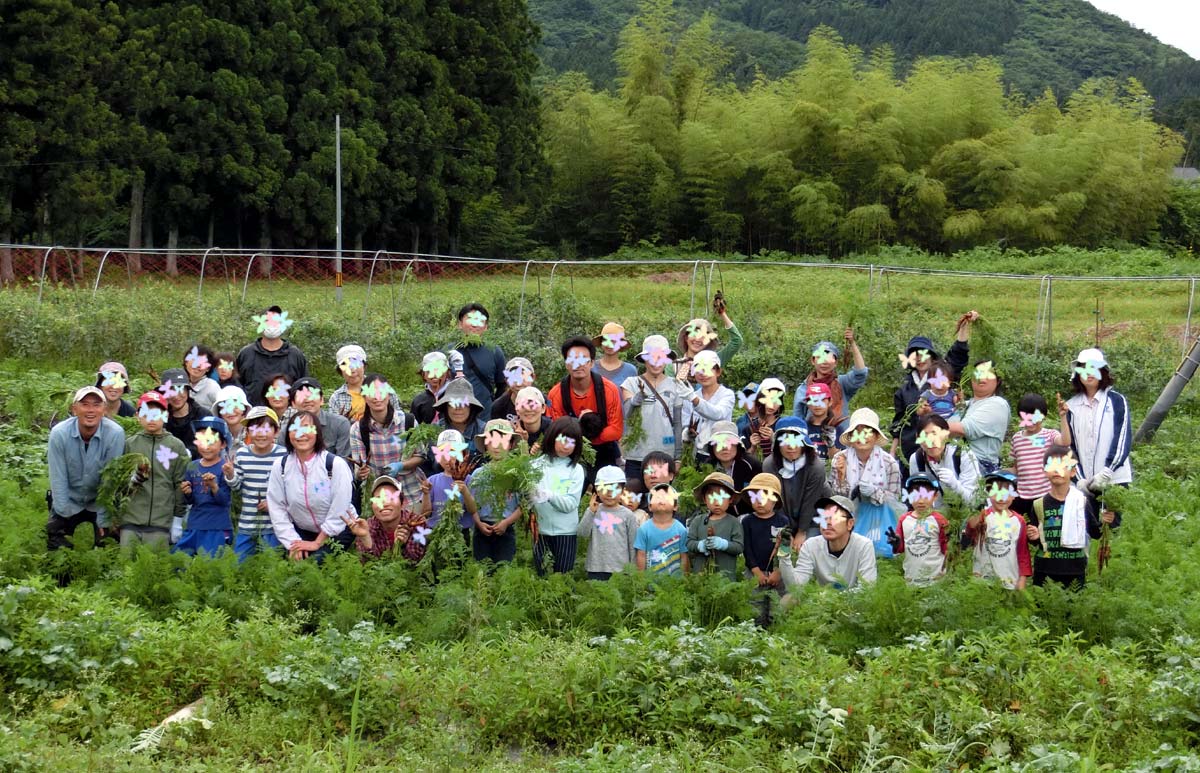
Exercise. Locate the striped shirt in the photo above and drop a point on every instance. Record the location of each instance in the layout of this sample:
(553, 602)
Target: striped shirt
(1028, 453)
(250, 473)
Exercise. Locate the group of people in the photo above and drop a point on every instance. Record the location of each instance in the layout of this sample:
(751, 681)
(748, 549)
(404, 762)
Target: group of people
(814, 495)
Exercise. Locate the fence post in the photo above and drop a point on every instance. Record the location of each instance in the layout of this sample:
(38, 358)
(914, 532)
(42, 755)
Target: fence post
(370, 279)
(1049, 309)
(246, 282)
(521, 308)
(692, 307)
(871, 282)
(392, 288)
(550, 283)
(100, 271)
(203, 261)
(1187, 326)
(42, 282)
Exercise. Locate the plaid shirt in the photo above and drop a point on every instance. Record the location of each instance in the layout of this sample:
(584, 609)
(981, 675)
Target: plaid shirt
(340, 402)
(387, 449)
(384, 542)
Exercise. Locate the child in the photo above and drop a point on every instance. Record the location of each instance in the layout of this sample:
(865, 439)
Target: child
(709, 403)
(227, 374)
(347, 400)
(556, 499)
(182, 410)
(532, 422)
(938, 395)
(838, 558)
(392, 527)
(999, 535)
(953, 466)
(745, 401)
(451, 483)
(209, 527)
(494, 539)
(715, 539)
(822, 430)
(435, 372)
(923, 533)
(252, 465)
(841, 389)
(659, 401)
(611, 342)
(518, 373)
(764, 535)
(199, 362)
(870, 475)
(1029, 446)
(277, 395)
(730, 457)
(658, 467)
(231, 405)
(661, 543)
(802, 475)
(768, 409)
(1061, 523)
(155, 502)
(610, 528)
(113, 381)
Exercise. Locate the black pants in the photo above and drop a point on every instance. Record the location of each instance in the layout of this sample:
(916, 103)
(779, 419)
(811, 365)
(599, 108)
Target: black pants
(59, 530)
(1068, 581)
(561, 547)
(600, 575)
(486, 547)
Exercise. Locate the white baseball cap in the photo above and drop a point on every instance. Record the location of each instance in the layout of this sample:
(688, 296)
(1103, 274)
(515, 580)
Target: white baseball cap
(83, 392)
(1092, 355)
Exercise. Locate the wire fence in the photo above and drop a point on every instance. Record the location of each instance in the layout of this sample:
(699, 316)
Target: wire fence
(382, 279)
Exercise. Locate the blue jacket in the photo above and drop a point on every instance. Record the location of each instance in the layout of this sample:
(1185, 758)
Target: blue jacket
(75, 466)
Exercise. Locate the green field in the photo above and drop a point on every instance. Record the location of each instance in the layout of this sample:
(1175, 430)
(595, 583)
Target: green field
(345, 667)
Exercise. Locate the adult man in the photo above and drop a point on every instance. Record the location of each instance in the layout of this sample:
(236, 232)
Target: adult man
(269, 355)
(482, 365)
(335, 430)
(594, 400)
(76, 453)
(838, 557)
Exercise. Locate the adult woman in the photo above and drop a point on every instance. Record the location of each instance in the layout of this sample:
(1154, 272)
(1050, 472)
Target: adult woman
(824, 359)
(277, 395)
(699, 335)
(458, 408)
(919, 358)
(863, 471)
(113, 380)
(985, 419)
(531, 423)
(308, 492)
(394, 527)
(1101, 428)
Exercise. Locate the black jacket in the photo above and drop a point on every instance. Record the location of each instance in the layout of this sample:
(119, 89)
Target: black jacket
(801, 492)
(255, 365)
(909, 393)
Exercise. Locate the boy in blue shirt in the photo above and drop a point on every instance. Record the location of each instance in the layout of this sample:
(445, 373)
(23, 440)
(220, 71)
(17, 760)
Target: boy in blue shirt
(661, 542)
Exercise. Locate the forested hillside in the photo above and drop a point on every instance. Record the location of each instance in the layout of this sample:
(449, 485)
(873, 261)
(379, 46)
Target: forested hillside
(1055, 44)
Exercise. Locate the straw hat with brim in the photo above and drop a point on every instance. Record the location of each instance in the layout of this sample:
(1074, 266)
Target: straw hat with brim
(863, 417)
(764, 481)
(841, 502)
(503, 426)
(459, 389)
(716, 479)
(611, 329)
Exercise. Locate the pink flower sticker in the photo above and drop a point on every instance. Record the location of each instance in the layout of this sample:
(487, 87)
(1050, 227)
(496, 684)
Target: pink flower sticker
(614, 341)
(657, 357)
(446, 452)
(939, 380)
(607, 522)
(196, 360)
(1031, 419)
(165, 456)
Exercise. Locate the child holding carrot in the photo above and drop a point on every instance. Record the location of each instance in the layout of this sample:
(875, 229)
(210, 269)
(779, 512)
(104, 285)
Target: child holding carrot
(209, 527)
(1029, 444)
(764, 533)
(715, 539)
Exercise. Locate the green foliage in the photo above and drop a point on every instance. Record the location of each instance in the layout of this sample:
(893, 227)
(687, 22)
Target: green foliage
(116, 485)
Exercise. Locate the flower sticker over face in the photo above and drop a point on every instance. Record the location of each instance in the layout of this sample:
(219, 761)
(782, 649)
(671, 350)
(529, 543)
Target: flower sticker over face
(614, 341)
(1089, 369)
(1061, 465)
(272, 321)
(1031, 419)
(762, 497)
(932, 437)
(606, 523)
(308, 393)
(447, 452)
(920, 494)
(113, 378)
(263, 429)
(772, 398)
(577, 360)
(791, 440)
(700, 332)
(165, 456)
(657, 357)
(822, 355)
(663, 497)
(515, 376)
(350, 365)
(378, 390)
(815, 400)
(746, 401)
(476, 318)
(567, 444)
(703, 368)
(436, 369)
(939, 380)
(386, 496)
(497, 440)
(829, 516)
(609, 489)
(724, 442)
(984, 371)
(278, 391)
(300, 429)
(224, 366)
(1001, 491)
(421, 534)
(459, 402)
(914, 358)
(170, 390)
(196, 360)
(232, 406)
(862, 435)
(207, 437)
(152, 414)
(528, 405)
(718, 497)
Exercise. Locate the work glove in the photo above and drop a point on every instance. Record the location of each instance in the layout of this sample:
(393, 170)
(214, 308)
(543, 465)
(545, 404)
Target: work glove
(717, 544)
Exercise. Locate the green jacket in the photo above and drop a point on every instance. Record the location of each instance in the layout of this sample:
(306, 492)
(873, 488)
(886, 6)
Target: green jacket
(158, 500)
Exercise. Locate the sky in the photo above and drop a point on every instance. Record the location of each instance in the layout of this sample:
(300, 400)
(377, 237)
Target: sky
(1174, 22)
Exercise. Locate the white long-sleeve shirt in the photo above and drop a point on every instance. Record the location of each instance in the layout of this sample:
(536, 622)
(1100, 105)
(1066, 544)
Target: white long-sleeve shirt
(1101, 435)
(706, 413)
(964, 481)
(856, 564)
(303, 495)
